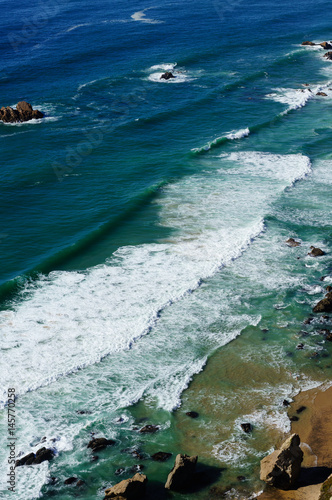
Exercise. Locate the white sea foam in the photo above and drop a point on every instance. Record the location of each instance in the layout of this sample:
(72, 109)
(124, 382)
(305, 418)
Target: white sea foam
(298, 98)
(141, 17)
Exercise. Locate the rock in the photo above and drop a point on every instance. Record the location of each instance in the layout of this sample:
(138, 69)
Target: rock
(241, 478)
(192, 414)
(129, 489)
(328, 288)
(323, 95)
(281, 468)
(326, 489)
(328, 56)
(324, 305)
(294, 419)
(316, 252)
(326, 45)
(161, 456)
(80, 483)
(292, 243)
(71, 480)
(167, 75)
(300, 346)
(42, 455)
(308, 43)
(149, 429)
(285, 402)
(301, 409)
(119, 471)
(98, 444)
(307, 321)
(137, 468)
(328, 336)
(246, 427)
(22, 113)
(182, 472)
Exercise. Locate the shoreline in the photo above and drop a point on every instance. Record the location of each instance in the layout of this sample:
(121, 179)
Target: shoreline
(313, 408)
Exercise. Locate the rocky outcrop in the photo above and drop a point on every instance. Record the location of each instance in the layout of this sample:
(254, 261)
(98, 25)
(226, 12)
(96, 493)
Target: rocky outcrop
(317, 252)
(181, 474)
(308, 43)
(322, 94)
(328, 55)
(326, 489)
(292, 243)
(22, 113)
(98, 444)
(324, 305)
(129, 489)
(167, 76)
(42, 455)
(326, 45)
(281, 468)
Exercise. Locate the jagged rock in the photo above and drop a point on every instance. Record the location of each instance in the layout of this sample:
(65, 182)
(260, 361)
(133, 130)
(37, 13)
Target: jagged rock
(326, 45)
(300, 346)
(324, 305)
(42, 455)
(149, 429)
(285, 402)
(137, 468)
(161, 456)
(192, 414)
(182, 472)
(129, 489)
(316, 252)
(246, 427)
(323, 95)
(281, 468)
(167, 75)
(326, 489)
(328, 55)
(22, 113)
(308, 43)
(98, 444)
(292, 243)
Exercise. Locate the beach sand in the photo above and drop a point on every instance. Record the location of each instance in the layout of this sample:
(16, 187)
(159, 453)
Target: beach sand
(314, 410)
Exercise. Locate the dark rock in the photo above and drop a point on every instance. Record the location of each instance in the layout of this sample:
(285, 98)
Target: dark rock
(307, 321)
(281, 468)
(292, 243)
(294, 419)
(161, 456)
(129, 489)
(83, 412)
(94, 458)
(98, 444)
(42, 455)
(25, 459)
(328, 336)
(328, 56)
(324, 305)
(308, 43)
(80, 483)
(285, 402)
(137, 468)
(326, 45)
(119, 471)
(149, 429)
(167, 75)
(317, 252)
(301, 409)
(71, 480)
(328, 288)
(182, 472)
(246, 427)
(300, 346)
(322, 278)
(22, 113)
(192, 414)
(322, 94)
(241, 478)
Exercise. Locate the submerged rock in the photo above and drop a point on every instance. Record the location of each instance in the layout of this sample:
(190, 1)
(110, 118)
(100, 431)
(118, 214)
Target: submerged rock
(149, 429)
(281, 468)
(71, 480)
(324, 305)
(292, 243)
(129, 489)
(98, 444)
(167, 76)
(23, 113)
(181, 474)
(192, 414)
(161, 456)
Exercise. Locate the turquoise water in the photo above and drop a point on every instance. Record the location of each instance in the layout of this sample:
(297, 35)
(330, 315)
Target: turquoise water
(144, 265)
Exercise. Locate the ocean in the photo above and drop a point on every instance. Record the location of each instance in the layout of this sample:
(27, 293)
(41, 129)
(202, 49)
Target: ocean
(144, 269)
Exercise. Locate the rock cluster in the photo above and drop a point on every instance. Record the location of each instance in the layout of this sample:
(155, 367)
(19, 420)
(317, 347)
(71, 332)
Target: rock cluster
(282, 468)
(22, 113)
(42, 455)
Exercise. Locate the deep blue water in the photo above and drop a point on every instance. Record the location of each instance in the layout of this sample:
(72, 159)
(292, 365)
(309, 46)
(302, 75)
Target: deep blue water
(133, 192)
